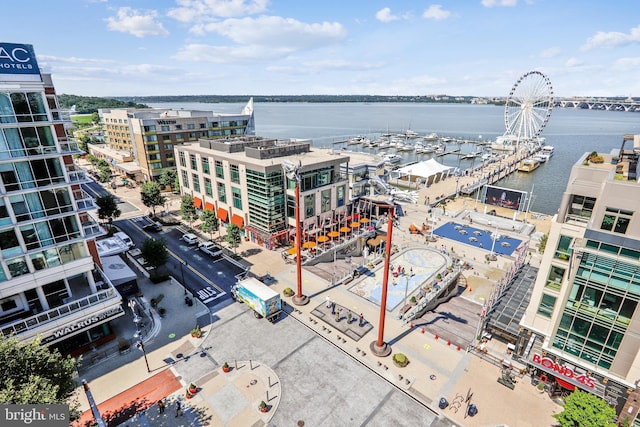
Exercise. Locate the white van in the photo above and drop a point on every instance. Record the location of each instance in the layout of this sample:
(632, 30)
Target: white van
(125, 238)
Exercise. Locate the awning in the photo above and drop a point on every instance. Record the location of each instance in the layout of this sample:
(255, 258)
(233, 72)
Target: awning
(197, 202)
(208, 206)
(237, 220)
(565, 384)
(223, 214)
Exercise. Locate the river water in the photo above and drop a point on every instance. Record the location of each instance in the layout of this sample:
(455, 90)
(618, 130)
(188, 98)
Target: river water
(571, 132)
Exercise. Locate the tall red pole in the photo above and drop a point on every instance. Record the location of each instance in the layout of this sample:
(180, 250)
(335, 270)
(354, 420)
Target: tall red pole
(385, 279)
(298, 241)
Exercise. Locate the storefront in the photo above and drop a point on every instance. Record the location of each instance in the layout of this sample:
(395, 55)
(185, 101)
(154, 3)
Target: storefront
(562, 378)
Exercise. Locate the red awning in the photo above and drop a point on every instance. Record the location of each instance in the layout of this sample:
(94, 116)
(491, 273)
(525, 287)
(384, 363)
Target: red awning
(197, 202)
(208, 206)
(223, 215)
(237, 220)
(565, 384)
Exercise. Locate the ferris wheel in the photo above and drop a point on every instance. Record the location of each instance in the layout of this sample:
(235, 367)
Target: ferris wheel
(528, 107)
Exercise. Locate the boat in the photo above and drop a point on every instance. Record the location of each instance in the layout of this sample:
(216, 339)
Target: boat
(358, 140)
(390, 159)
(545, 153)
(528, 165)
(409, 134)
(404, 147)
(540, 157)
(431, 137)
(384, 143)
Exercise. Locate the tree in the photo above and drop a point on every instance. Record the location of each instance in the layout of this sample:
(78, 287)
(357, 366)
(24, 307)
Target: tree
(210, 222)
(34, 374)
(107, 208)
(154, 251)
(168, 178)
(583, 409)
(83, 140)
(233, 236)
(151, 196)
(188, 210)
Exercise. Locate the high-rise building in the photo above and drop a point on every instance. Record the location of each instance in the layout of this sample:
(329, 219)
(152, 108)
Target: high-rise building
(139, 142)
(50, 284)
(582, 327)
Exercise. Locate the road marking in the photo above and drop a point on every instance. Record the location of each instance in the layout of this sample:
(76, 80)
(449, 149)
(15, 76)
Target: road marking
(427, 347)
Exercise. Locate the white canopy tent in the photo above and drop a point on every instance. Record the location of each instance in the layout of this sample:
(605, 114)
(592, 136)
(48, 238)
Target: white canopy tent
(430, 170)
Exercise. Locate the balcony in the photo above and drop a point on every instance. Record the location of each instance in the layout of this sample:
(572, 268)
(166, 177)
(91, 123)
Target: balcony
(70, 147)
(50, 324)
(92, 229)
(84, 202)
(76, 176)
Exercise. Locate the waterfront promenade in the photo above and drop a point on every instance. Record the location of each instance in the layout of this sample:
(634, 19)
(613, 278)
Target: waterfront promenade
(326, 373)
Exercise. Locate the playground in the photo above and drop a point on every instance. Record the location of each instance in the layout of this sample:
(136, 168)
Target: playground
(420, 266)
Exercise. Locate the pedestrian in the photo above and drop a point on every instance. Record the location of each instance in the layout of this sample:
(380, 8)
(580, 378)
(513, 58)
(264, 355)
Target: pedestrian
(360, 320)
(349, 317)
(178, 408)
(161, 406)
(338, 316)
(333, 307)
(403, 271)
(328, 301)
(411, 271)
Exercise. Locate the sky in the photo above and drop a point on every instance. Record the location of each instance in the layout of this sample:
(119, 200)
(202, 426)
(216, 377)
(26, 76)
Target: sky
(348, 47)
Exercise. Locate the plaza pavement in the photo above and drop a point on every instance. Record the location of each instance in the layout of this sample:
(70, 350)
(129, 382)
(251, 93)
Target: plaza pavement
(309, 388)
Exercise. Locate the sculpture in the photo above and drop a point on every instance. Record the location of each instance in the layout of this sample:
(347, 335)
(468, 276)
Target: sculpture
(507, 379)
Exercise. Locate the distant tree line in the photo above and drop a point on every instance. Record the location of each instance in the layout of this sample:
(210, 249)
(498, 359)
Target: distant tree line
(90, 104)
(212, 99)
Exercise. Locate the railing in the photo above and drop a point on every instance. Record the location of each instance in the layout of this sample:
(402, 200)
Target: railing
(84, 202)
(70, 147)
(77, 176)
(432, 295)
(73, 307)
(92, 229)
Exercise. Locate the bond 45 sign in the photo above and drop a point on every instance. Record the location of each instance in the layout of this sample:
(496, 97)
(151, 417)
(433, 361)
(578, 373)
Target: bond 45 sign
(568, 374)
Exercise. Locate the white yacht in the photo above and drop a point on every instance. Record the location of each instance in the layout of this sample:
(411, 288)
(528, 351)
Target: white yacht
(390, 159)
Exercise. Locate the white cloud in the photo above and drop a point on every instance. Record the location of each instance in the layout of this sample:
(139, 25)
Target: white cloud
(230, 54)
(73, 60)
(210, 10)
(341, 64)
(499, 3)
(436, 12)
(385, 15)
(134, 22)
(573, 63)
(551, 52)
(612, 39)
(274, 32)
(626, 64)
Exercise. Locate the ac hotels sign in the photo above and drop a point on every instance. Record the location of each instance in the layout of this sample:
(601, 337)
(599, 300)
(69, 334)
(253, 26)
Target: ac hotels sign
(567, 374)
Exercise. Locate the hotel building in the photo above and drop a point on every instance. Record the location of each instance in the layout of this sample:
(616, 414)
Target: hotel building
(582, 327)
(242, 180)
(139, 142)
(50, 284)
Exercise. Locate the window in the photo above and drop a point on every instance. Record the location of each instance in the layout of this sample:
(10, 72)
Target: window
(207, 187)
(151, 128)
(582, 206)
(205, 165)
(237, 198)
(219, 169)
(9, 242)
(235, 174)
(325, 201)
(546, 305)
(164, 128)
(185, 179)
(192, 160)
(563, 251)
(341, 195)
(222, 193)
(309, 205)
(196, 182)
(183, 160)
(191, 126)
(616, 220)
(554, 280)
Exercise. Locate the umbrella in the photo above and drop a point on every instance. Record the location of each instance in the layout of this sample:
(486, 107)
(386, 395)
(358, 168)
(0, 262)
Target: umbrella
(308, 245)
(345, 229)
(322, 239)
(291, 251)
(364, 220)
(355, 224)
(333, 234)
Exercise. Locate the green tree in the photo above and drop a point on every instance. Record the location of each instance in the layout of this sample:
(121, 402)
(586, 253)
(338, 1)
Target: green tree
(154, 251)
(104, 174)
(210, 222)
(584, 409)
(151, 195)
(95, 117)
(188, 210)
(233, 236)
(168, 177)
(543, 243)
(107, 208)
(32, 374)
(83, 140)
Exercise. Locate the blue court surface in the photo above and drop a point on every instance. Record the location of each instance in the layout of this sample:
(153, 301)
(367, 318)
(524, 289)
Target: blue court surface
(477, 237)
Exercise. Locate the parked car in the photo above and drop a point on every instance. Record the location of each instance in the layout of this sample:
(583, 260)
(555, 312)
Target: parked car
(190, 238)
(210, 248)
(153, 226)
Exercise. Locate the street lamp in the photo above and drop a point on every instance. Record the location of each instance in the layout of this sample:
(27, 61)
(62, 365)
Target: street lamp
(379, 347)
(457, 181)
(92, 404)
(292, 170)
(140, 346)
(184, 285)
(137, 320)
